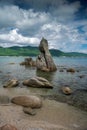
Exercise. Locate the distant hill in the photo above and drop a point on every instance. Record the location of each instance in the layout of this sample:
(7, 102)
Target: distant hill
(34, 51)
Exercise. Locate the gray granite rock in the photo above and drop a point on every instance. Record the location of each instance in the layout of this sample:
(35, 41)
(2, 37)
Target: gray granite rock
(38, 82)
(45, 60)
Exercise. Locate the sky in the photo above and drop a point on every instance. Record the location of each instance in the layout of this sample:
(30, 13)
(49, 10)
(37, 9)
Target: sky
(62, 22)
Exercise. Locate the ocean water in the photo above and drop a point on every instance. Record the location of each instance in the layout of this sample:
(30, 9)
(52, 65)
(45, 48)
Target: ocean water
(10, 68)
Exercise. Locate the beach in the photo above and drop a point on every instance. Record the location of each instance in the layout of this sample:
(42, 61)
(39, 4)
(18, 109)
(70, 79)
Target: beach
(52, 116)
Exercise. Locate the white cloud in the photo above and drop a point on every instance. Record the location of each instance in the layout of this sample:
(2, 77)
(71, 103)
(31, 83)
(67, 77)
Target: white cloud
(14, 38)
(62, 36)
(66, 12)
(12, 15)
(32, 21)
(9, 15)
(26, 27)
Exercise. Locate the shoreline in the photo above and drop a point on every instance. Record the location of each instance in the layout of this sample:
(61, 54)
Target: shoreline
(78, 98)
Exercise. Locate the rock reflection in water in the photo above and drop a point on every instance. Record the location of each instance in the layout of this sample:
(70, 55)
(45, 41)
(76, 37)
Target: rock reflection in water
(48, 75)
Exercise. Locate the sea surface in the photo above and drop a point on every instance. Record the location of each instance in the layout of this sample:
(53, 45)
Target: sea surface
(10, 68)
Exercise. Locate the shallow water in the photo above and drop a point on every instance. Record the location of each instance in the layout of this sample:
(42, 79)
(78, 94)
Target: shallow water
(64, 115)
(10, 68)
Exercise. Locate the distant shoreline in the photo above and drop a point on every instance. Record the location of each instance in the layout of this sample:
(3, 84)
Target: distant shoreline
(34, 51)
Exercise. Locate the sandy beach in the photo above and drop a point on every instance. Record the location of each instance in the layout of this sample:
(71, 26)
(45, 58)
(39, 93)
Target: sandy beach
(52, 116)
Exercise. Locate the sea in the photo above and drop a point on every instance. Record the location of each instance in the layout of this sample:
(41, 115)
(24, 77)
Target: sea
(10, 68)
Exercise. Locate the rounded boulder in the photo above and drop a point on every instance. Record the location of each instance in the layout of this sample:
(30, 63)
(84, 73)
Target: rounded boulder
(66, 90)
(27, 101)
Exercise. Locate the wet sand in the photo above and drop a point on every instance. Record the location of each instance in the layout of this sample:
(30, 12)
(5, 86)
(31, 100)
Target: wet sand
(52, 116)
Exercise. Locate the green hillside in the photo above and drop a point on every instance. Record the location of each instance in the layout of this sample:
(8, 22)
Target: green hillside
(34, 51)
(19, 51)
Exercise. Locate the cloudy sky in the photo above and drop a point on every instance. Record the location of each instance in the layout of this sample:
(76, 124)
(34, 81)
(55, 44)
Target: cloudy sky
(62, 22)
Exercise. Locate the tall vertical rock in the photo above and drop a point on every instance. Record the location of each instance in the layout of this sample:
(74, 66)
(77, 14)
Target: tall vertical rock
(44, 61)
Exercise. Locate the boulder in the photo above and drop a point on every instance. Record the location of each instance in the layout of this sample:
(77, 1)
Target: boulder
(29, 111)
(71, 70)
(27, 101)
(44, 60)
(29, 61)
(66, 90)
(8, 127)
(11, 83)
(38, 82)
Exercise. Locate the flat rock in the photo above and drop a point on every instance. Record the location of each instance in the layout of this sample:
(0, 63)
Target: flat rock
(38, 82)
(27, 101)
(12, 63)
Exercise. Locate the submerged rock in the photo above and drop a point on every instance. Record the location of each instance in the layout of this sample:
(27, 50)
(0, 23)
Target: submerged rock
(71, 70)
(8, 127)
(66, 90)
(12, 63)
(81, 76)
(38, 82)
(61, 70)
(79, 99)
(29, 111)
(11, 83)
(44, 60)
(27, 101)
